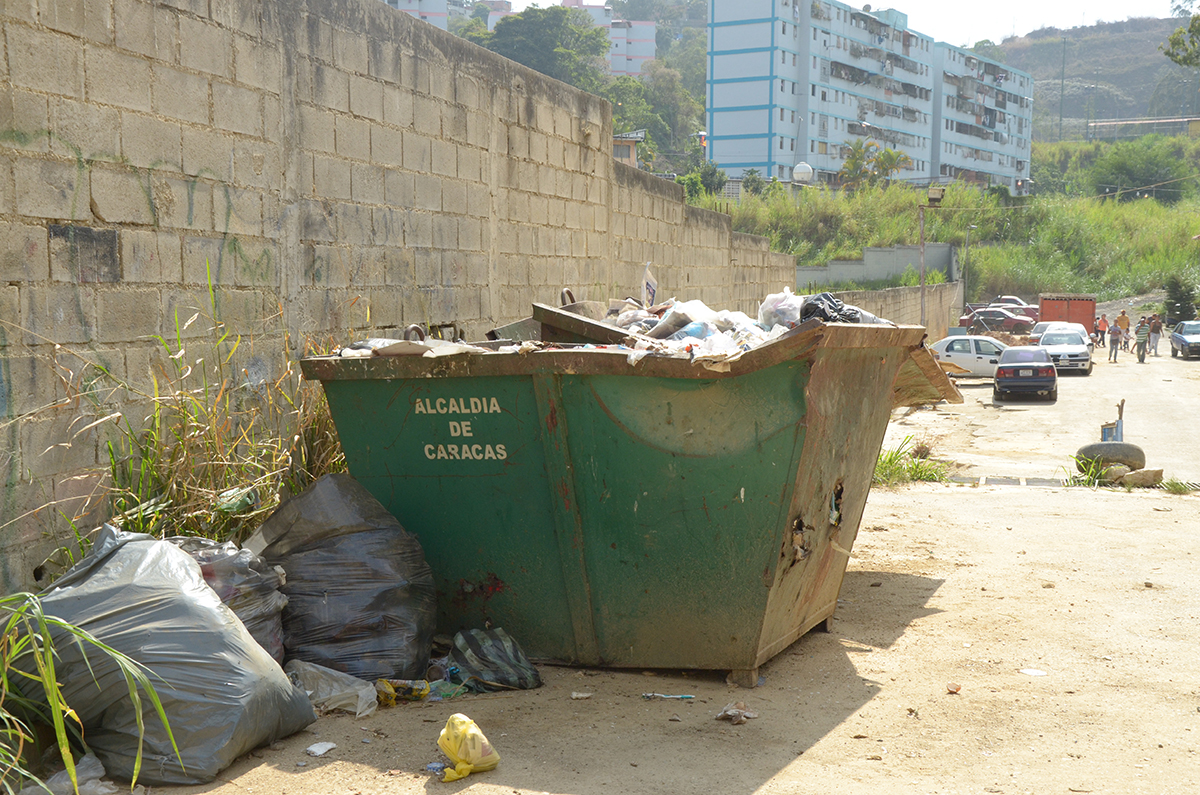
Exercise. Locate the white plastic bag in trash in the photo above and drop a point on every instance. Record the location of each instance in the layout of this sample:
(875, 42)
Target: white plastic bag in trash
(780, 309)
(329, 689)
(89, 772)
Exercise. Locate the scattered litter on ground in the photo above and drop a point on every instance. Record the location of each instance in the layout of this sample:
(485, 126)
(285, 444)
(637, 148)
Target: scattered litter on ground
(320, 749)
(330, 690)
(89, 774)
(580, 696)
(736, 713)
(953, 687)
(465, 745)
(652, 696)
(676, 718)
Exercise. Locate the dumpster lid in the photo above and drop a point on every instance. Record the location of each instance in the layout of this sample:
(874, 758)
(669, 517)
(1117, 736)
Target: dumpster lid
(921, 380)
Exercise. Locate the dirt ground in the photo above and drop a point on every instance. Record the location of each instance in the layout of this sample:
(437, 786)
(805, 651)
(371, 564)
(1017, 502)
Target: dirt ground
(1066, 616)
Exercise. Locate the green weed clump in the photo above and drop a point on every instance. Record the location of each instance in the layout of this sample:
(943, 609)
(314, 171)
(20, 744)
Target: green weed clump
(1176, 486)
(906, 463)
(30, 694)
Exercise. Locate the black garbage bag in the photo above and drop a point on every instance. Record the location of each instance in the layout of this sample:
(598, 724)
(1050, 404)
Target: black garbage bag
(489, 659)
(222, 693)
(361, 597)
(245, 583)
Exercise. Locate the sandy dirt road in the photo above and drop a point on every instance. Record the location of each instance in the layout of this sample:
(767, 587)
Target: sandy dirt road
(947, 583)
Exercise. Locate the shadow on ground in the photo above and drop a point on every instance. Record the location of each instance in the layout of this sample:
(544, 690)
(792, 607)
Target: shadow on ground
(616, 740)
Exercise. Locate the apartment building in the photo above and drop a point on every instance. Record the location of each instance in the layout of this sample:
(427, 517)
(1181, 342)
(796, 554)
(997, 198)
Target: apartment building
(986, 117)
(435, 12)
(797, 81)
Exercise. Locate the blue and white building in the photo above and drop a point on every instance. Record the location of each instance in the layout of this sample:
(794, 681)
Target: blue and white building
(435, 12)
(793, 81)
(986, 117)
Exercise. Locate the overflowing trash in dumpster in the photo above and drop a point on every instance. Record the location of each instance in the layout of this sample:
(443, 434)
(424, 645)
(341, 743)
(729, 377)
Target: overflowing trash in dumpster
(678, 329)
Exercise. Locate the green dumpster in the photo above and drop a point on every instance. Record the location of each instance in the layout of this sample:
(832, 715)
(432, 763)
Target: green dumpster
(656, 514)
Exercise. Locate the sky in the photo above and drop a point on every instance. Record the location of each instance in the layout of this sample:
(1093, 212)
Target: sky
(960, 23)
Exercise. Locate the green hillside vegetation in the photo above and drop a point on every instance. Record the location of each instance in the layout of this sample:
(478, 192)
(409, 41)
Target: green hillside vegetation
(1045, 244)
(1112, 70)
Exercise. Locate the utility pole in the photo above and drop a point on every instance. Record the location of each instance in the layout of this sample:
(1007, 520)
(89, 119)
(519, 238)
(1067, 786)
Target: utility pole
(1062, 84)
(966, 258)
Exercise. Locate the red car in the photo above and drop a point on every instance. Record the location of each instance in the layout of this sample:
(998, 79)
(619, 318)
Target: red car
(995, 318)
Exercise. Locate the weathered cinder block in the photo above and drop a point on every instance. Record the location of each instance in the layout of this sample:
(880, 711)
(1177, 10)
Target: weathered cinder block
(427, 116)
(10, 313)
(206, 153)
(397, 107)
(366, 183)
(84, 255)
(51, 189)
(350, 50)
(417, 152)
(444, 158)
(255, 261)
(386, 146)
(135, 28)
(205, 262)
(150, 257)
(24, 254)
(418, 230)
(399, 187)
(180, 95)
(353, 138)
(316, 129)
(126, 315)
(237, 109)
(147, 142)
(182, 203)
(256, 165)
(238, 212)
(330, 87)
(326, 266)
(257, 64)
(48, 447)
(205, 47)
(45, 61)
(388, 226)
(83, 130)
(24, 116)
(114, 78)
(331, 177)
(454, 197)
(179, 307)
(354, 225)
(121, 196)
(366, 98)
(428, 192)
(59, 313)
(316, 220)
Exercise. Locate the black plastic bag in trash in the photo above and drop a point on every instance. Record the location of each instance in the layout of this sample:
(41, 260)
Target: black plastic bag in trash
(361, 597)
(222, 693)
(245, 583)
(828, 307)
(489, 659)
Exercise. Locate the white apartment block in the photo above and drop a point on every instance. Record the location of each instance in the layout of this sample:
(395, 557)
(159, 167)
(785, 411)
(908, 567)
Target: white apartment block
(986, 116)
(435, 12)
(794, 81)
(630, 43)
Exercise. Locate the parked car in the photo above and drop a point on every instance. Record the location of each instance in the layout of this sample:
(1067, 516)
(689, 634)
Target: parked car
(1026, 369)
(1035, 335)
(1185, 339)
(978, 355)
(994, 318)
(1069, 350)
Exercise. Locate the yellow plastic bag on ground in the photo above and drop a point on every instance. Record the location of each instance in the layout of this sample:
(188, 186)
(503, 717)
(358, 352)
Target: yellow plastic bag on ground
(464, 743)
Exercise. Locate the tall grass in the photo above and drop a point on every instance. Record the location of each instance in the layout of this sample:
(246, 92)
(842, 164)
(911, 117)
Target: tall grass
(1019, 246)
(908, 462)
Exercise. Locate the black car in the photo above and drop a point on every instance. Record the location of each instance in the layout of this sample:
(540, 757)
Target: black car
(1025, 369)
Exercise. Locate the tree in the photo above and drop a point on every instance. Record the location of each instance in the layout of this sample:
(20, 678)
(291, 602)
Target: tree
(989, 49)
(1183, 46)
(1151, 166)
(671, 102)
(1181, 299)
(752, 182)
(886, 162)
(558, 42)
(689, 56)
(481, 12)
(693, 188)
(711, 177)
(856, 170)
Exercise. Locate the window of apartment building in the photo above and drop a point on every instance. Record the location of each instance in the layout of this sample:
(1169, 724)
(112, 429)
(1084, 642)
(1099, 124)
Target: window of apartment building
(812, 90)
(824, 98)
(793, 144)
(783, 58)
(784, 29)
(782, 86)
(812, 147)
(781, 143)
(795, 88)
(793, 59)
(793, 117)
(781, 114)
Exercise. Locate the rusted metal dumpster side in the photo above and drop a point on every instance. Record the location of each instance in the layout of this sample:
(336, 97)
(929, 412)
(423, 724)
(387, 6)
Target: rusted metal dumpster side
(650, 515)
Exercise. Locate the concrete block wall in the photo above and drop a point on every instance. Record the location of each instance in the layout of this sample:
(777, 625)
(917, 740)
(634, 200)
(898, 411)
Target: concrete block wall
(289, 171)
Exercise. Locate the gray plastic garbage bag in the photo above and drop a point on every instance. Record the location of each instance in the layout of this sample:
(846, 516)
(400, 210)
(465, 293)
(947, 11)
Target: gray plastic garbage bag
(246, 585)
(361, 598)
(222, 693)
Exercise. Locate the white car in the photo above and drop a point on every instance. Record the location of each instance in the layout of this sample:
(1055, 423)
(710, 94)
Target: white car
(1068, 349)
(976, 354)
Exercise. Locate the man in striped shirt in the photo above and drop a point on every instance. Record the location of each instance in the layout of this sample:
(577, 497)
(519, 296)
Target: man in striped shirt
(1142, 335)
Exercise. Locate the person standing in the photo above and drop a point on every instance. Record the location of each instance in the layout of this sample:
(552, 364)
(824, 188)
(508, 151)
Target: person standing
(1142, 334)
(1122, 322)
(1103, 324)
(1156, 330)
(1114, 341)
